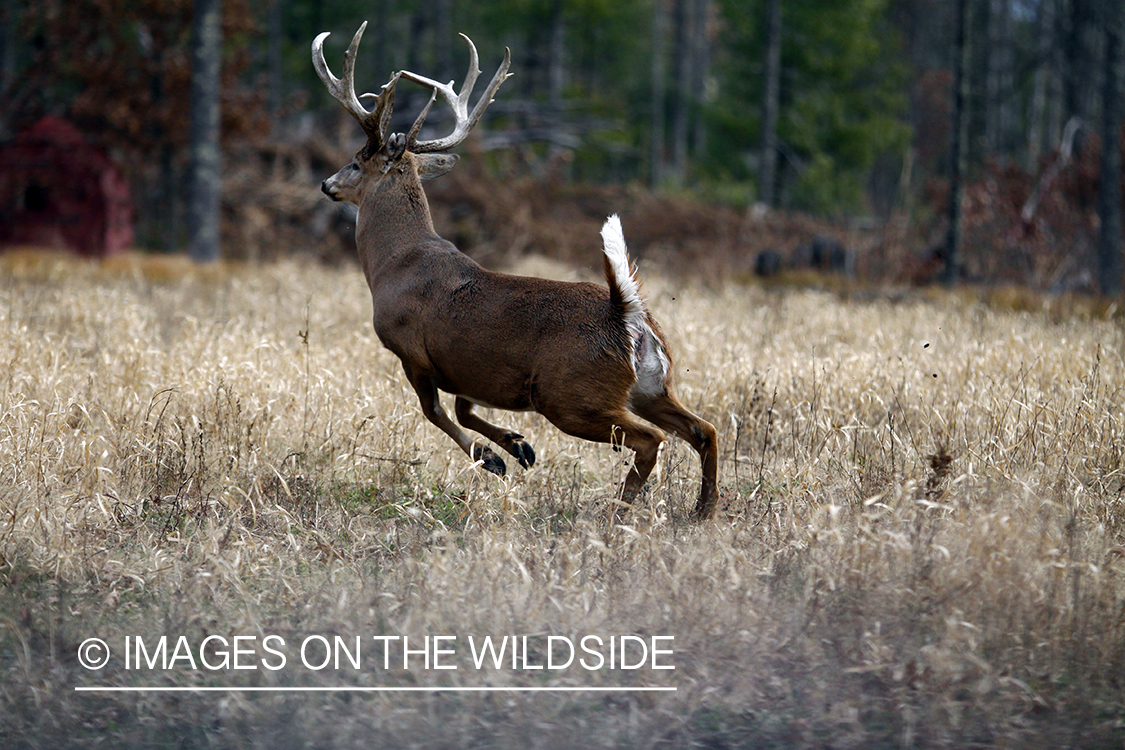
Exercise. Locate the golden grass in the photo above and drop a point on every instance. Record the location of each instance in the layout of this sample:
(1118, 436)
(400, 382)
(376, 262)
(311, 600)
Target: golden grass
(920, 539)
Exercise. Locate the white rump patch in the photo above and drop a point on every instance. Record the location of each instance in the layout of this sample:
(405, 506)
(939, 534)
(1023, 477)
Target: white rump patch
(650, 363)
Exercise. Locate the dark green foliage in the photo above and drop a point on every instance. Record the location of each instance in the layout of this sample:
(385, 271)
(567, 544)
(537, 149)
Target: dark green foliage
(842, 98)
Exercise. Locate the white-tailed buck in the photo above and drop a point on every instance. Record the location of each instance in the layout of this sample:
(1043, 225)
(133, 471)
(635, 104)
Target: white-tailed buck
(581, 355)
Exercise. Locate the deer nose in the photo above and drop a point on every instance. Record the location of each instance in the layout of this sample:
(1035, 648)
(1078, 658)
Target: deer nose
(327, 190)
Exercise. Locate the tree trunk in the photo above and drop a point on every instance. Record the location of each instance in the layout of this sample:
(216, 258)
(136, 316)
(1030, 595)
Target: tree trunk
(701, 67)
(989, 106)
(416, 43)
(206, 166)
(767, 175)
(659, 87)
(999, 83)
(7, 51)
(381, 60)
(1037, 128)
(556, 73)
(1109, 190)
(556, 56)
(1056, 74)
(274, 33)
(1080, 64)
(681, 114)
(957, 153)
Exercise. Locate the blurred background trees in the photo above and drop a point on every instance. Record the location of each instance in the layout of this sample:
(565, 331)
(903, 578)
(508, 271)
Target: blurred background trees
(834, 109)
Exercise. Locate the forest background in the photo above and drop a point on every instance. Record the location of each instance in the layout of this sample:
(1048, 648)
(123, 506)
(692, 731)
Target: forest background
(746, 130)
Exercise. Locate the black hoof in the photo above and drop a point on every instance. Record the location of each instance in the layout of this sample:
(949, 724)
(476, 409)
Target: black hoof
(524, 454)
(703, 510)
(489, 460)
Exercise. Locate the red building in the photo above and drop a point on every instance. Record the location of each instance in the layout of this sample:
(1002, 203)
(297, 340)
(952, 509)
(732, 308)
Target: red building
(56, 190)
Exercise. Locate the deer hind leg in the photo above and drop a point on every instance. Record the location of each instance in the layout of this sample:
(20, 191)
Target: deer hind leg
(512, 442)
(431, 407)
(619, 428)
(667, 412)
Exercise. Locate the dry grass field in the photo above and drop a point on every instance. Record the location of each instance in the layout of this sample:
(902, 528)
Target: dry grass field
(920, 540)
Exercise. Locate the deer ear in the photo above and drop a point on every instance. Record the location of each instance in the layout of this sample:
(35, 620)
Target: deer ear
(434, 165)
(392, 152)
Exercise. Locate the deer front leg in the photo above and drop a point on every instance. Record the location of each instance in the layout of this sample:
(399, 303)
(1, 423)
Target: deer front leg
(512, 442)
(431, 407)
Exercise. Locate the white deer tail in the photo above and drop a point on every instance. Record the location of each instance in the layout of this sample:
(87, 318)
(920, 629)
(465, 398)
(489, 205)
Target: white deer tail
(624, 290)
(650, 361)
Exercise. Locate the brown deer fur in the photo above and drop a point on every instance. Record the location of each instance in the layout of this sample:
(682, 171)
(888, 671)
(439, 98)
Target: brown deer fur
(586, 357)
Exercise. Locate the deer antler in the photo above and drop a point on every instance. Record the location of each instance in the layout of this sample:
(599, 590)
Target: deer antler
(375, 122)
(458, 102)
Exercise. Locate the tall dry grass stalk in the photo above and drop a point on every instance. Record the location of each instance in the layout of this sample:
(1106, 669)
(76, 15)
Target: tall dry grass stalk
(920, 540)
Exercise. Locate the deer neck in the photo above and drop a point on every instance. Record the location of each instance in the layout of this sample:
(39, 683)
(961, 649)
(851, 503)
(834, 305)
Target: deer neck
(392, 222)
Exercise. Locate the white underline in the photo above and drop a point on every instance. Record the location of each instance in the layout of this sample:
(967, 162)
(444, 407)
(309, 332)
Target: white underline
(484, 689)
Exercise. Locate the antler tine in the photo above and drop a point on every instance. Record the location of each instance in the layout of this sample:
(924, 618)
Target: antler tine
(342, 90)
(471, 74)
(502, 75)
(459, 103)
(384, 106)
(374, 123)
(412, 136)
